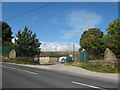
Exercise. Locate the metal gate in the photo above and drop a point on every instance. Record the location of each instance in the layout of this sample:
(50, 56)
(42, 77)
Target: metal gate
(5, 50)
(68, 59)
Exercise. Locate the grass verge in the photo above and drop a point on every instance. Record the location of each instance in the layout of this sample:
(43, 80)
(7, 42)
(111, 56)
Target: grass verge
(103, 69)
(20, 62)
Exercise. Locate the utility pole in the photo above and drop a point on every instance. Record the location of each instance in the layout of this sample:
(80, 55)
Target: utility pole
(56, 52)
(56, 48)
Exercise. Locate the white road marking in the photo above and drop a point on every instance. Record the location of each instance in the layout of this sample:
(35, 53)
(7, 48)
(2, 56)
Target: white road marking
(20, 69)
(87, 85)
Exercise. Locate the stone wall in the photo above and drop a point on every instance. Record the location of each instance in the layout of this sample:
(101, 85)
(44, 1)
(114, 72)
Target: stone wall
(112, 63)
(109, 60)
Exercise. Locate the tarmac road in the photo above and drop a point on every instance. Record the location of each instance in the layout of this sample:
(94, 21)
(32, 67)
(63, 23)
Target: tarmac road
(16, 76)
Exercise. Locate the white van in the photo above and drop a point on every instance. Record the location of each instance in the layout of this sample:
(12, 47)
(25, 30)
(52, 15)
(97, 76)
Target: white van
(61, 58)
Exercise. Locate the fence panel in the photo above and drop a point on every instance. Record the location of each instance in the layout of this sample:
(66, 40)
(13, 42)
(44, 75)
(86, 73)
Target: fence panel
(5, 50)
(84, 56)
(77, 57)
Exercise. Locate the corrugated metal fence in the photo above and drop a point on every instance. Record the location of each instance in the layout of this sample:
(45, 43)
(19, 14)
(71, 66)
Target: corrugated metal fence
(84, 56)
(5, 50)
(81, 56)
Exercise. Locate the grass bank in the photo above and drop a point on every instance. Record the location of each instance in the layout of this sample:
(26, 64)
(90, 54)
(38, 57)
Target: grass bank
(20, 62)
(103, 69)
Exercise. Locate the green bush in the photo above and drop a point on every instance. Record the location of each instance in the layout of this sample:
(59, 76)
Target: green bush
(8, 44)
(94, 57)
(25, 58)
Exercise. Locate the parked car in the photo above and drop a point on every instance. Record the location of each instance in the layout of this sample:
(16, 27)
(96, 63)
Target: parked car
(63, 61)
(61, 58)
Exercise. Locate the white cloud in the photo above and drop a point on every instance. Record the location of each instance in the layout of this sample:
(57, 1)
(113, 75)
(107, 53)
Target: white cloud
(34, 18)
(83, 19)
(71, 34)
(53, 46)
(79, 21)
(74, 33)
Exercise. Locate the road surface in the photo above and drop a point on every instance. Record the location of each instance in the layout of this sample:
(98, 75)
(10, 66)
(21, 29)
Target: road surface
(16, 76)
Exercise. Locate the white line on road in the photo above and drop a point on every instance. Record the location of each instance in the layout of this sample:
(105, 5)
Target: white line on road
(20, 69)
(87, 85)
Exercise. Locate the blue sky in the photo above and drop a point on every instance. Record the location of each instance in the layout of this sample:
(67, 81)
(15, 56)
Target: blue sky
(60, 23)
